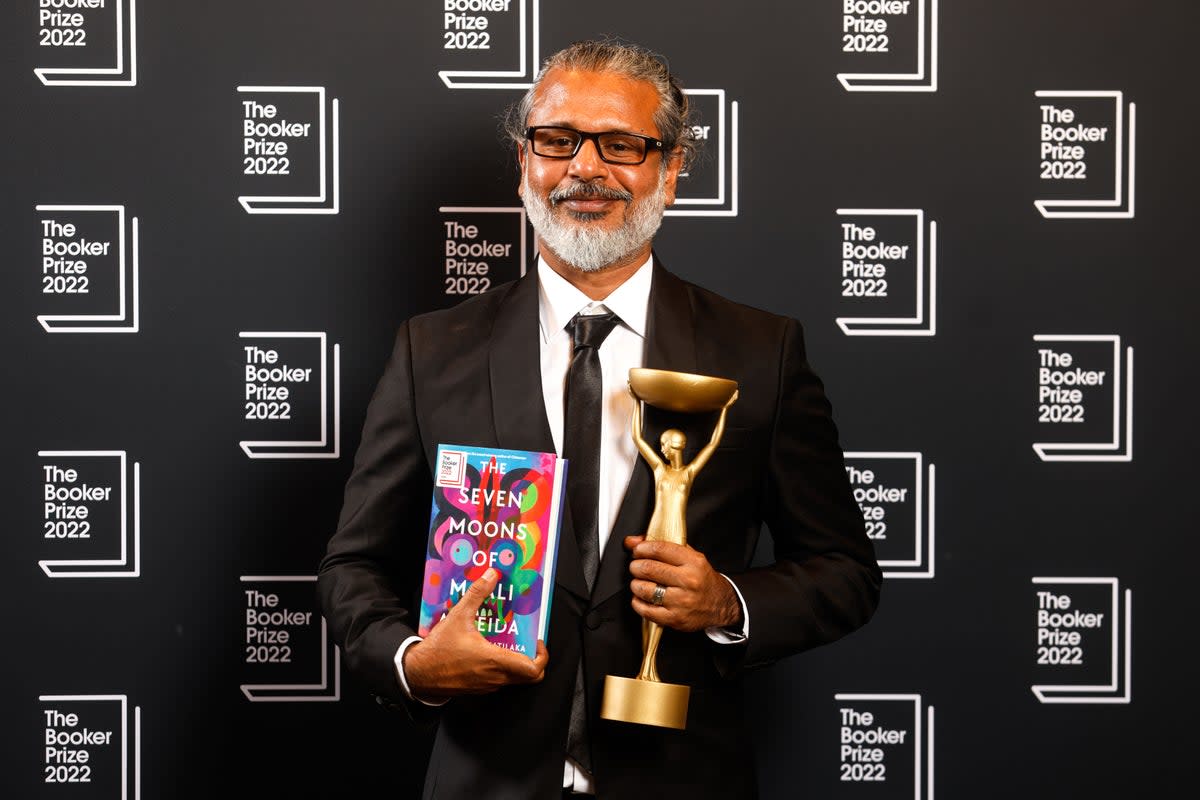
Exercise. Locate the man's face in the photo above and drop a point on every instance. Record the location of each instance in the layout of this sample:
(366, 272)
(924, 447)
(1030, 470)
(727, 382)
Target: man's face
(589, 212)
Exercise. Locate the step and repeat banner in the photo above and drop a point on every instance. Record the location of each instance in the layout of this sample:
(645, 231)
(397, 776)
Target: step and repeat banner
(216, 214)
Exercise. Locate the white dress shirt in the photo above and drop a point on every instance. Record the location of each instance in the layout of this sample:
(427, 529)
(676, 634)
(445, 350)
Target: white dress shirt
(558, 302)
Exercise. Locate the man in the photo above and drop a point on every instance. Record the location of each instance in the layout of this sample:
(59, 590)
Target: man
(601, 138)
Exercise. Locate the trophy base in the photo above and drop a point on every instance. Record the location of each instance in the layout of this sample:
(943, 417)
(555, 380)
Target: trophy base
(663, 705)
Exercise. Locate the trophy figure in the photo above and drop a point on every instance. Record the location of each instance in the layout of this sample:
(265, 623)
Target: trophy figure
(646, 699)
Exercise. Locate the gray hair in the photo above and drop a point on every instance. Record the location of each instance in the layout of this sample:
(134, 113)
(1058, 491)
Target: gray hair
(631, 61)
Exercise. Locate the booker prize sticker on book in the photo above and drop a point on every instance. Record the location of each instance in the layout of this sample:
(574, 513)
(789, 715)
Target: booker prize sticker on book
(502, 509)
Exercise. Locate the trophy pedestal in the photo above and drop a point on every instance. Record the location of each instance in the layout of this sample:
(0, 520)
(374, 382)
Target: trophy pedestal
(664, 705)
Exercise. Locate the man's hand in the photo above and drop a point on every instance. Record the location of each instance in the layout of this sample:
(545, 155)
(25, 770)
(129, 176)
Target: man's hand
(455, 659)
(696, 597)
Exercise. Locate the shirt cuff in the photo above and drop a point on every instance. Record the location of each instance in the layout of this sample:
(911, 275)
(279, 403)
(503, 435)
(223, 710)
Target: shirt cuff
(399, 661)
(718, 634)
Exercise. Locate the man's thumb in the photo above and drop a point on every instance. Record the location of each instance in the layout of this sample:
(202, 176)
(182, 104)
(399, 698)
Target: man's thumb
(478, 591)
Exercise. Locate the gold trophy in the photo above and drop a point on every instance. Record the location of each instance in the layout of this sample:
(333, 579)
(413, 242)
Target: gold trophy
(646, 699)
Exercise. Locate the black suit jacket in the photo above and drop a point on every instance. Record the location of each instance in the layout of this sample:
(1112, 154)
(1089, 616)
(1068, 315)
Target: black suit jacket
(471, 375)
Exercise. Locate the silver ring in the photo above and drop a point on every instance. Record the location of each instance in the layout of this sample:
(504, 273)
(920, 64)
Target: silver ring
(659, 591)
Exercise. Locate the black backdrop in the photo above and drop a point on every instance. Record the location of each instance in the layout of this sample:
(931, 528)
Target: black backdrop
(156, 640)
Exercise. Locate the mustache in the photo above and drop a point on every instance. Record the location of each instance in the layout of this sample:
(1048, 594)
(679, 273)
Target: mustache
(588, 191)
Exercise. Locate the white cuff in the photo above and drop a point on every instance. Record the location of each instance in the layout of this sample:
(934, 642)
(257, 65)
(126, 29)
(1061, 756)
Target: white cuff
(726, 635)
(399, 661)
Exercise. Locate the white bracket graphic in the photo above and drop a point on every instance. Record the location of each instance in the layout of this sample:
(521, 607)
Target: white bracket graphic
(1077, 451)
(306, 448)
(329, 153)
(1121, 669)
(137, 734)
(126, 318)
(102, 76)
(922, 738)
(528, 44)
(1120, 206)
(105, 567)
(921, 565)
(519, 210)
(916, 325)
(924, 79)
(724, 179)
(299, 692)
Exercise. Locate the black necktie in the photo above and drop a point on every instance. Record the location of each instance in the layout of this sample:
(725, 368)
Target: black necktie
(583, 408)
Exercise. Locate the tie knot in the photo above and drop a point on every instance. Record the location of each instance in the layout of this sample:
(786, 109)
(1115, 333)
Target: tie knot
(590, 330)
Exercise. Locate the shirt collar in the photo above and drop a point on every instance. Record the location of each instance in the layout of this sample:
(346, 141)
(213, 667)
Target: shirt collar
(559, 301)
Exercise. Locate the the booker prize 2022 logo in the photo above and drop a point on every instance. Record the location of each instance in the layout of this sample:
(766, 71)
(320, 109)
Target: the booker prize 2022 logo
(482, 247)
(884, 747)
(895, 492)
(887, 272)
(487, 44)
(87, 268)
(291, 395)
(1083, 641)
(91, 745)
(286, 652)
(709, 187)
(288, 150)
(89, 524)
(1085, 155)
(1084, 408)
(86, 42)
(887, 45)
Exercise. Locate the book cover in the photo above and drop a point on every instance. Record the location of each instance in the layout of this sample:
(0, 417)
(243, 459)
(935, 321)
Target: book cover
(494, 508)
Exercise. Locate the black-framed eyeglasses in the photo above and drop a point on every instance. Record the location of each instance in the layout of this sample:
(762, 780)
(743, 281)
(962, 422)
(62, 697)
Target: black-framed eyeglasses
(615, 147)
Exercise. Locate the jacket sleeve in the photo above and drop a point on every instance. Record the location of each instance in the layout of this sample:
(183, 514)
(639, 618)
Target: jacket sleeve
(368, 577)
(825, 580)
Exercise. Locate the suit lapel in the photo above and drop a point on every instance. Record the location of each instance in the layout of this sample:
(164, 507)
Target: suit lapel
(518, 407)
(670, 331)
(670, 344)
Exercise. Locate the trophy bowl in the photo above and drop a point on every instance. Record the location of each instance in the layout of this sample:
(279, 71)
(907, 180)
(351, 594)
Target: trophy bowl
(680, 391)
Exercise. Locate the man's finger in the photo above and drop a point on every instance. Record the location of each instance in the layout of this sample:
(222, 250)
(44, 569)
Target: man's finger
(541, 660)
(653, 613)
(668, 552)
(477, 592)
(533, 670)
(633, 541)
(644, 590)
(519, 667)
(656, 571)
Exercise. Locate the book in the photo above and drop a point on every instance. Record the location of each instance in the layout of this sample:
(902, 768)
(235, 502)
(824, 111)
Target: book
(494, 508)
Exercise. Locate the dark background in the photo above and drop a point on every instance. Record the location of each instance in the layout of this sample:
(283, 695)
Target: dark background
(966, 154)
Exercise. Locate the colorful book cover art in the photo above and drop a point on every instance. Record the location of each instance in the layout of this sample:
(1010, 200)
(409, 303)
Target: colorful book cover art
(494, 508)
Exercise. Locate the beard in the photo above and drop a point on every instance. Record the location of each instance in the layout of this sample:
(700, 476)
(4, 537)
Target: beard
(591, 248)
